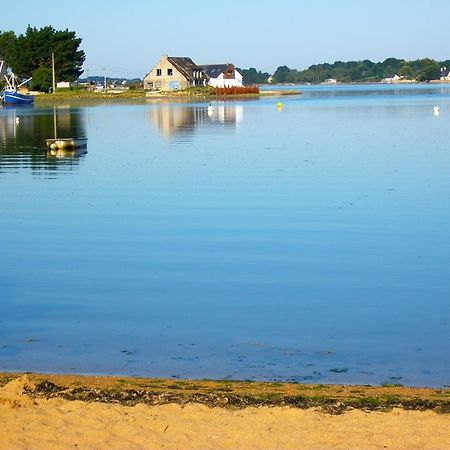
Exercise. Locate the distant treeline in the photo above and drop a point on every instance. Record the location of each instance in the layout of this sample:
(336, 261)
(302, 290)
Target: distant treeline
(352, 71)
(98, 79)
(252, 76)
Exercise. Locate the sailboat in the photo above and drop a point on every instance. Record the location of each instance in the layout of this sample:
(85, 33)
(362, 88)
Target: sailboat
(60, 147)
(10, 96)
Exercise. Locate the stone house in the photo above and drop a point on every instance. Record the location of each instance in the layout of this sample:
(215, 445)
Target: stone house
(176, 73)
(173, 73)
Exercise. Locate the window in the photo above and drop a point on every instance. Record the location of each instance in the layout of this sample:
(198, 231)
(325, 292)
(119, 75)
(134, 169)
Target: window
(158, 72)
(169, 72)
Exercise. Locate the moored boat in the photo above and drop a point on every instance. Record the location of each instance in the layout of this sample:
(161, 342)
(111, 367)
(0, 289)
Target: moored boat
(66, 143)
(15, 98)
(10, 95)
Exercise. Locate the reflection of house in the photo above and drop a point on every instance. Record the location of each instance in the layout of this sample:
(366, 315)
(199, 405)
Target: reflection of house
(182, 120)
(173, 73)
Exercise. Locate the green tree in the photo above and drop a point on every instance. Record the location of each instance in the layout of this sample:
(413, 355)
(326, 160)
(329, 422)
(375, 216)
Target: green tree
(42, 79)
(407, 71)
(252, 76)
(8, 45)
(280, 74)
(429, 70)
(27, 52)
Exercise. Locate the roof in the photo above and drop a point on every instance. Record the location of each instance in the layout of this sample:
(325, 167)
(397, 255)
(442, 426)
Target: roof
(214, 70)
(184, 65)
(445, 72)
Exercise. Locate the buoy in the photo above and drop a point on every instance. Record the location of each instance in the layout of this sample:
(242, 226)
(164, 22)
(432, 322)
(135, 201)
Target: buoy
(210, 108)
(279, 105)
(436, 110)
(17, 119)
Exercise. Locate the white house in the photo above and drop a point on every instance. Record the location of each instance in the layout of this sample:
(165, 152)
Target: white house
(222, 75)
(445, 74)
(66, 84)
(392, 78)
(330, 81)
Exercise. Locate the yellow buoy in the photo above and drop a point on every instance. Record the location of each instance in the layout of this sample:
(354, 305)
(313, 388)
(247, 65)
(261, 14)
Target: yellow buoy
(279, 105)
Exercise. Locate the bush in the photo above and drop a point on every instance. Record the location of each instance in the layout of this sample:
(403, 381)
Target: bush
(42, 79)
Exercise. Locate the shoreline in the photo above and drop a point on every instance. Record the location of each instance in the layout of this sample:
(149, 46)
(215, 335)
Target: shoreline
(335, 399)
(86, 97)
(70, 411)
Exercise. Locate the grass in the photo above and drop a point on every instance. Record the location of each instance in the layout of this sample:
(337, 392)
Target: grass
(334, 399)
(79, 93)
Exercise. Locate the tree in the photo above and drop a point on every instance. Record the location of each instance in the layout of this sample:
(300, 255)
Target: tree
(280, 74)
(252, 76)
(8, 45)
(429, 70)
(42, 79)
(30, 51)
(407, 71)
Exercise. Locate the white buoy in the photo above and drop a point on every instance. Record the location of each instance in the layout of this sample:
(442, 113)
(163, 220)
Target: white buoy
(210, 108)
(17, 119)
(436, 110)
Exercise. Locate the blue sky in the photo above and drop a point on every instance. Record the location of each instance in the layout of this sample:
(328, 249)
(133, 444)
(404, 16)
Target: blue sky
(126, 38)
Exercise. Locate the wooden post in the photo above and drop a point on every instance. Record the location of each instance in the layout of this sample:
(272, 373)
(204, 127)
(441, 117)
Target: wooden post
(53, 72)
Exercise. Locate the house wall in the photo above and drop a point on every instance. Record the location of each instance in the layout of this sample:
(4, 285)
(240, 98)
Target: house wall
(165, 82)
(224, 80)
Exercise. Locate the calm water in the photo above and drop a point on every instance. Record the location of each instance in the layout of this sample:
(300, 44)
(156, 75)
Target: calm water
(307, 244)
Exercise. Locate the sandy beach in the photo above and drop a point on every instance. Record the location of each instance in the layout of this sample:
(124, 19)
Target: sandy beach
(36, 414)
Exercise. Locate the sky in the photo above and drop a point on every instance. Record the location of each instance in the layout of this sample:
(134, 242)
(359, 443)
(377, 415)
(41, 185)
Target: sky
(126, 38)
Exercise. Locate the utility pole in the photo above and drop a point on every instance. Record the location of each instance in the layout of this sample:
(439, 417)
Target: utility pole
(53, 72)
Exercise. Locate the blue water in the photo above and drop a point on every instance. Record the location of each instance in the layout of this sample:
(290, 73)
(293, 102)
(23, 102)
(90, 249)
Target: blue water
(309, 243)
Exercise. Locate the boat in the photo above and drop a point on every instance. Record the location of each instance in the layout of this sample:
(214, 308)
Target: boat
(66, 143)
(66, 153)
(15, 98)
(10, 95)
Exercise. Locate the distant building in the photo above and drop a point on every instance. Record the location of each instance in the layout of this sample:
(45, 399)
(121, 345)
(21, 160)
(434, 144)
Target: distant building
(176, 73)
(392, 78)
(66, 84)
(445, 74)
(222, 75)
(173, 73)
(330, 81)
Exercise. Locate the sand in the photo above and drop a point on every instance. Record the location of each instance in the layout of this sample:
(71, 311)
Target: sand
(27, 422)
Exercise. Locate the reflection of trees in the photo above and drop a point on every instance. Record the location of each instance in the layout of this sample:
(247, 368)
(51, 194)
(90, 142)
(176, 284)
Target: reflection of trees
(182, 120)
(23, 132)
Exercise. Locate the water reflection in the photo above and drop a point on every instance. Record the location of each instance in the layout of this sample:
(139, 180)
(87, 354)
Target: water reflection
(23, 132)
(183, 120)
